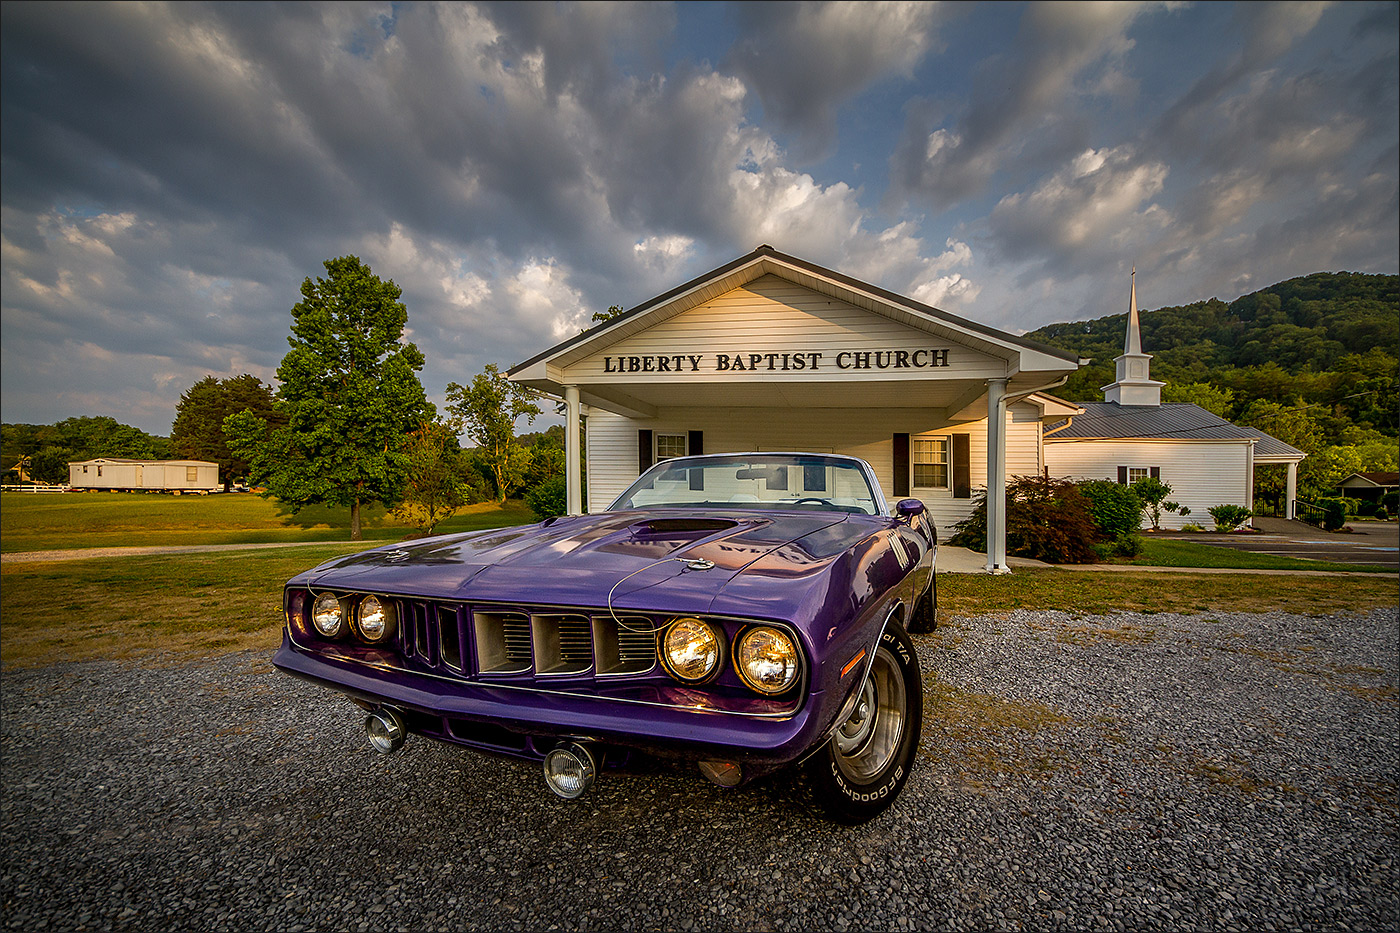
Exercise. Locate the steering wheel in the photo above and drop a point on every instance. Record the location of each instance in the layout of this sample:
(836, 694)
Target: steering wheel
(816, 499)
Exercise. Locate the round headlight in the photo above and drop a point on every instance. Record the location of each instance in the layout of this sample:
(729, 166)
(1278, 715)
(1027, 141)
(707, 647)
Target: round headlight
(376, 619)
(691, 650)
(328, 615)
(767, 660)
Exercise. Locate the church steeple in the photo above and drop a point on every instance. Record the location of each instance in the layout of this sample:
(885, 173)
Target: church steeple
(1132, 385)
(1132, 344)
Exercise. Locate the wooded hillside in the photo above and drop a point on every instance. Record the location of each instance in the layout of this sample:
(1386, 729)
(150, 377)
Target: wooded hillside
(1312, 361)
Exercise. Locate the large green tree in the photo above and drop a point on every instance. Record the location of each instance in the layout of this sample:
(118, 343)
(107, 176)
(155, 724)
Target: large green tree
(198, 431)
(350, 393)
(486, 411)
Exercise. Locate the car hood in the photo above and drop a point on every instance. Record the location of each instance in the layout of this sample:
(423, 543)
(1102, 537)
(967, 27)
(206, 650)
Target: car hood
(647, 560)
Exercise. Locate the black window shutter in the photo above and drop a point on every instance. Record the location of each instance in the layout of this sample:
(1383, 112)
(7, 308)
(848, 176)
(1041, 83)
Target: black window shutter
(901, 465)
(1122, 476)
(695, 446)
(962, 466)
(1155, 472)
(644, 451)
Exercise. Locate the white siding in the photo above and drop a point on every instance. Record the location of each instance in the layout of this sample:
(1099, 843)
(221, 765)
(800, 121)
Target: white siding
(144, 474)
(1022, 458)
(1202, 474)
(612, 457)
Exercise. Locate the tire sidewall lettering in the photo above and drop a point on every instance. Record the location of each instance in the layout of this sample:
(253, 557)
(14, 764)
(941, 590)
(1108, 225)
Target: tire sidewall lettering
(884, 790)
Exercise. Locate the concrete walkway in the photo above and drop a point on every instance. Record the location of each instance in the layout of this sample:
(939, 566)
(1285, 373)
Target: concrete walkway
(35, 557)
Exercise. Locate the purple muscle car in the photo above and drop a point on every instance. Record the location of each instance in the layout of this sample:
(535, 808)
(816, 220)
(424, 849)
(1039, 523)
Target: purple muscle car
(746, 612)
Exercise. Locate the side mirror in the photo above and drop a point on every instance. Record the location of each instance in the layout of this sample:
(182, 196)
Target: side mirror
(907, 509)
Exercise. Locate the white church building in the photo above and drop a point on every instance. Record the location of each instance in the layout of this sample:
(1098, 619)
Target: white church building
(771, 352)
(1131, 434)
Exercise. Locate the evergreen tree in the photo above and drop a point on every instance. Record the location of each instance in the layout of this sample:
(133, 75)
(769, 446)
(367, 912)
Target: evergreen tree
(198, 431)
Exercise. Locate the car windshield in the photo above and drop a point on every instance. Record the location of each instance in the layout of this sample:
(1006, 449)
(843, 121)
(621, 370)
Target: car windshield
(756, 481)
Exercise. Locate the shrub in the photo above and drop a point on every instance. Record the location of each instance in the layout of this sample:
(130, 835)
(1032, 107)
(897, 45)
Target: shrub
(1129, 545)
(1115, 508)
(1334, 513)
(1229, 517)
(1153, 492)
(548, 499)
(1046, 519)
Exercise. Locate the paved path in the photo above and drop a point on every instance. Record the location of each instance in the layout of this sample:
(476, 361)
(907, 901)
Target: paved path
(26, 557)
(1373, 543)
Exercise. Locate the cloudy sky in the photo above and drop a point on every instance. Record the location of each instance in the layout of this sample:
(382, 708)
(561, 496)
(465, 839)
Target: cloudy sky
(172, 172)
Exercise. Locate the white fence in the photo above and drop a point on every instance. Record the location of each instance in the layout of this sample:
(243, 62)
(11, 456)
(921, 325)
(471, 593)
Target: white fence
(33, 488)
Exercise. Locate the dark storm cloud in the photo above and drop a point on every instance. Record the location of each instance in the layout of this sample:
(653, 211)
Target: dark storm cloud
(805, 60)
(1027, 90)
(1264, 166)
(154, 147)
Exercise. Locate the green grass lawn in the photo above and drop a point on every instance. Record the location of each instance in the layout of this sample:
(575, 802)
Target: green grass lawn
(31, 522)
(1087, 592)
(1173, 552)
(130, 606)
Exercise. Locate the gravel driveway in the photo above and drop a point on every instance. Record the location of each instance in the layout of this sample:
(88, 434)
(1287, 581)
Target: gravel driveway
(1211, 771)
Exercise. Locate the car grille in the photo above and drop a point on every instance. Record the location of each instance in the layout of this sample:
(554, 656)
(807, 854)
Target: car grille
(522, 641)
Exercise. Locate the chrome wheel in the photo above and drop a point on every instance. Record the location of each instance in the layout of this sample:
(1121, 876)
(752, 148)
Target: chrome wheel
(867, 760)
(869, 739)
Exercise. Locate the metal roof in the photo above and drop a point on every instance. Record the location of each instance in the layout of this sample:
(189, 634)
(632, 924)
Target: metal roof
(1169, 421)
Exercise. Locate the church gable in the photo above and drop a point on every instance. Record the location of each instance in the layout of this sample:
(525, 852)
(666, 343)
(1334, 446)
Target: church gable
(777, 327)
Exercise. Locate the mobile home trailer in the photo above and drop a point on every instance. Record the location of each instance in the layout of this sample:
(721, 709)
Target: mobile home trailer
(116, 473)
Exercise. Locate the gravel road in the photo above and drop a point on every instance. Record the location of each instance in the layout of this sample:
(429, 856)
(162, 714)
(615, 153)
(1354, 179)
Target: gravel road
(1214, 772)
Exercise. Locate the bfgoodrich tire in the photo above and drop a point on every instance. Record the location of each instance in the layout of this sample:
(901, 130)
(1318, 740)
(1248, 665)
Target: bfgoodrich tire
(865, 764)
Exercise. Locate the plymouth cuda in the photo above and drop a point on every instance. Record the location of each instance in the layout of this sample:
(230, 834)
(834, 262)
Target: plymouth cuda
(746, 612)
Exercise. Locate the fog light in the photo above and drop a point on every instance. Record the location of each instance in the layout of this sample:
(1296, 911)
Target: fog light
(385, 731)
(569, 770)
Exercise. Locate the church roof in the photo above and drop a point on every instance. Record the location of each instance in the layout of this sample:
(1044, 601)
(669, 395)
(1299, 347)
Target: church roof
(1169, 421)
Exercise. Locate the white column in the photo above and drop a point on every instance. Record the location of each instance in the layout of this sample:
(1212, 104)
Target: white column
(1249, 484)
(573, 450)
(996, 476)
(1290, 496)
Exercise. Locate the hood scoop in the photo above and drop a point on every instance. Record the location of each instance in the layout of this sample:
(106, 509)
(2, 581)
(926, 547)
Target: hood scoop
(684, 526)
